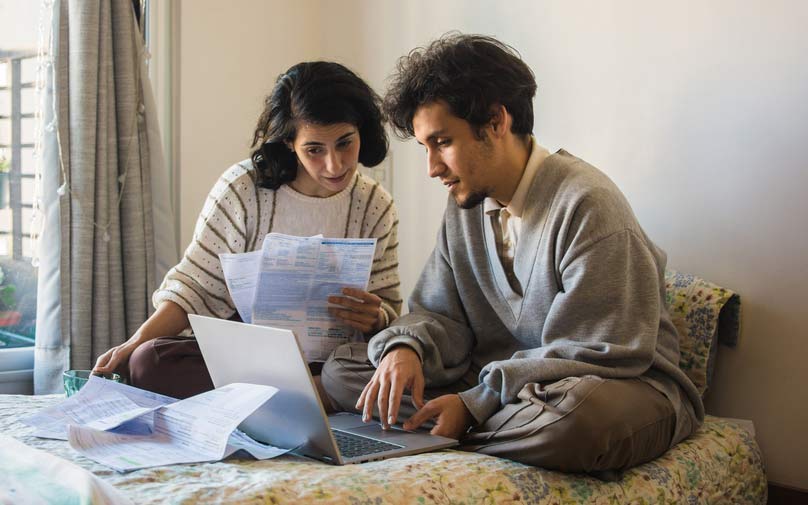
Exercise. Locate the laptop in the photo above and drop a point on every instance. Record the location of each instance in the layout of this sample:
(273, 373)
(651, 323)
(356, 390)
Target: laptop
(294, 418)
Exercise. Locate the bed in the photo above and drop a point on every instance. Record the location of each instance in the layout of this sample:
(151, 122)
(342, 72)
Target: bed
(720, 463)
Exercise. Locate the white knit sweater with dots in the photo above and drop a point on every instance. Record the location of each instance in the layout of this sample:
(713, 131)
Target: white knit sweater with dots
(238, 214)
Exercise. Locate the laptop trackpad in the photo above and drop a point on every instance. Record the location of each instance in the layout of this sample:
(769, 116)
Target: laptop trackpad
(375, 430)
(352, 422)
(412, 441)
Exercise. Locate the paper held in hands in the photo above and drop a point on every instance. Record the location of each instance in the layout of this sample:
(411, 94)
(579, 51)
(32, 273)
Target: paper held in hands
(287, 284)
(127, 428)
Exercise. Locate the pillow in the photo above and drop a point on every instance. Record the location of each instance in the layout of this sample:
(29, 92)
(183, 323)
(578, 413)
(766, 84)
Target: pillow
(704, 314)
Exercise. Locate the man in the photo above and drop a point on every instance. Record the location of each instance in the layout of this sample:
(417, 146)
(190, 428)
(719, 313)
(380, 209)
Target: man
(538, 326)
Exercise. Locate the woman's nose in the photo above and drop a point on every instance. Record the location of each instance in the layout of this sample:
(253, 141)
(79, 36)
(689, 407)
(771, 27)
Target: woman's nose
(334, 163)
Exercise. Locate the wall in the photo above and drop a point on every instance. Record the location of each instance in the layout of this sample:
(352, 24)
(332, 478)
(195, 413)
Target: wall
(697, 110)
(229, 57)
(19, 22)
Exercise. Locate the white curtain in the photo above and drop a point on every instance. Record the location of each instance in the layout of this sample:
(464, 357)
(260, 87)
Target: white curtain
(108, 234)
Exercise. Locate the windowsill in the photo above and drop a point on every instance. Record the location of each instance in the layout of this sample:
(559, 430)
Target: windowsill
(16, 365)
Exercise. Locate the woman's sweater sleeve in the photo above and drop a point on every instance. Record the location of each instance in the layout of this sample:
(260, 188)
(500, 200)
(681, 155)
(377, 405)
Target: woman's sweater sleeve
(197, 283)
(384, 280)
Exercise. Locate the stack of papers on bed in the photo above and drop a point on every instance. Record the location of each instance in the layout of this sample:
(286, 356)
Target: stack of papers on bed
(287, 283)
(127, 428)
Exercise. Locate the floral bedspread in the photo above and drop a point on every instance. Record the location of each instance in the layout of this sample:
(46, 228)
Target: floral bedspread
(721, 463)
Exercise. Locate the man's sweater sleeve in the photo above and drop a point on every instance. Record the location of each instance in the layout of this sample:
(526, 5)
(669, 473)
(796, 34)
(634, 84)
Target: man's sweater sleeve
(604, 321)
(436, 327)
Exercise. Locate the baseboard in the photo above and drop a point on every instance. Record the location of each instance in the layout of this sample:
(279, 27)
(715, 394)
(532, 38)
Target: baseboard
(17, 382)
(784, 495)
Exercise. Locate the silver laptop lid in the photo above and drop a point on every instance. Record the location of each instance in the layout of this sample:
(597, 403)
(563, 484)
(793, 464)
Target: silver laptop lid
(238, 352)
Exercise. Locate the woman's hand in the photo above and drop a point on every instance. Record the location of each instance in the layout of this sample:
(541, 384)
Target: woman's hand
(109, 361)
(362, 310)
(168, 319)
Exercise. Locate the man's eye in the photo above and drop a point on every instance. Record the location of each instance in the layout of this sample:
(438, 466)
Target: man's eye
(442, 142)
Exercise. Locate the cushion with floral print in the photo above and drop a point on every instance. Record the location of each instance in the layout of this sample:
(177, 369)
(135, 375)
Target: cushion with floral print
(704, 314)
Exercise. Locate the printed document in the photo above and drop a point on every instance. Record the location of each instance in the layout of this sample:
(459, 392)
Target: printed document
(295, 276)
(197, 429)
(101, 403)
(241, 276)
(127, 428)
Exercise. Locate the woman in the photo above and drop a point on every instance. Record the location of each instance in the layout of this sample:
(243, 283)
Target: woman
(318, 123)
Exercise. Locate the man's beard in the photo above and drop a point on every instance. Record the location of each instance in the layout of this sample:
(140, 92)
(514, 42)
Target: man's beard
(474, 199)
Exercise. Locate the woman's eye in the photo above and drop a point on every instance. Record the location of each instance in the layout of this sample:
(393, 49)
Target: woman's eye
(313, 151)
(344, 144)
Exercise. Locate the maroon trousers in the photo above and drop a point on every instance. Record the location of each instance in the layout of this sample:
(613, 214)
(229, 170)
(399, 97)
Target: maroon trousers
(173, 366)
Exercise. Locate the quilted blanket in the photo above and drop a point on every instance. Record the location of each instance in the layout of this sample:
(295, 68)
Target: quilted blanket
(721, 463)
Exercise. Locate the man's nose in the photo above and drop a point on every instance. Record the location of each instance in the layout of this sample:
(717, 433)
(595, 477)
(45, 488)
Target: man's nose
(435, 166)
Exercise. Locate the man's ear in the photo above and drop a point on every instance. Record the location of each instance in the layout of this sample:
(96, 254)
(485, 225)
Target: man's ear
(500, 121)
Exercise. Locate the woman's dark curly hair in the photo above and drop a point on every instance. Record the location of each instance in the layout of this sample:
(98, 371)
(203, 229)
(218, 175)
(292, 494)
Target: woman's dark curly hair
(472, 73)
(317, 92)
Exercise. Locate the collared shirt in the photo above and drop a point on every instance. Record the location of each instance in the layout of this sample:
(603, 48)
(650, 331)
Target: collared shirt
(507, 221)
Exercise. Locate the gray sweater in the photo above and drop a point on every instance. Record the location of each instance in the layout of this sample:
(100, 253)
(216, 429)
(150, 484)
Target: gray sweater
(589, 299)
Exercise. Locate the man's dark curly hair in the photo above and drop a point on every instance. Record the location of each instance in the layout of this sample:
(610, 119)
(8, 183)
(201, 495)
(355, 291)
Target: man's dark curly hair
(471, 73)
(317, 92)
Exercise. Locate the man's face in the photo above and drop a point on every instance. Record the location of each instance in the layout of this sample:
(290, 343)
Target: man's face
(455, 155)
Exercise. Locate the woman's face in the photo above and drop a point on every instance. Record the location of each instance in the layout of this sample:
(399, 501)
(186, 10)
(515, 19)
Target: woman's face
(328, 156)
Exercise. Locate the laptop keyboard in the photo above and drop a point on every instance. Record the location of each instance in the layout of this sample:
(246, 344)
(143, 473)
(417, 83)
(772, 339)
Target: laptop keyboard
(351, 446)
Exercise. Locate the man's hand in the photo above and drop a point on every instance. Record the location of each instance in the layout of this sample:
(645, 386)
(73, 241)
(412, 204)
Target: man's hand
(399, 369)
(452, 418)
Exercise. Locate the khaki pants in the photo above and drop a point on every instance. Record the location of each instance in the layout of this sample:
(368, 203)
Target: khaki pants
(576, 424)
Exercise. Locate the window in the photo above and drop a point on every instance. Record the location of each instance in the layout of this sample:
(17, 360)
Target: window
(18, 277)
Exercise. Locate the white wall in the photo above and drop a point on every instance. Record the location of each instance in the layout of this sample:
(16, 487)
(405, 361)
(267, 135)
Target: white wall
(19, 22)
(229, 56)
(698, 110)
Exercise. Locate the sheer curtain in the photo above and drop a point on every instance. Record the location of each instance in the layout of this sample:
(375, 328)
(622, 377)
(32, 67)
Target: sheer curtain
(108, 233)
